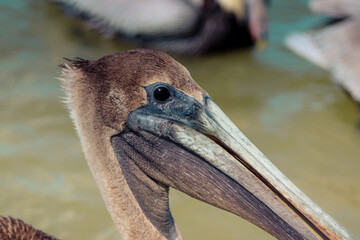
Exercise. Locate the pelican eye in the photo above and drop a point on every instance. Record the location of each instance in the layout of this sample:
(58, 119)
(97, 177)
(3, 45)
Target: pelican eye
(161, 94)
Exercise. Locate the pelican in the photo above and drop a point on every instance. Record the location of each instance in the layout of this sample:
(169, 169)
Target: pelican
(145, 125)
(183, 27)
(335, 47)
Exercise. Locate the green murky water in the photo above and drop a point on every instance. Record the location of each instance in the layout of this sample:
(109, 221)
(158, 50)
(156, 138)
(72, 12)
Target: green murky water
(288, 108)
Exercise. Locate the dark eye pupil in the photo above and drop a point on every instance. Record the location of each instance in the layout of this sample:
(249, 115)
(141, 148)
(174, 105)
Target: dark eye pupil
(161, 93)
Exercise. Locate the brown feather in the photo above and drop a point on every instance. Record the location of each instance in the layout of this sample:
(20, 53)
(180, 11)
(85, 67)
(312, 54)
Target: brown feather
(100, 96)
(15, 229)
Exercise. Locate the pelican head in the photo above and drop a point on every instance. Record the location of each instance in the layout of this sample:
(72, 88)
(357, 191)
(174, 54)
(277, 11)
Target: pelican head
(145, 126)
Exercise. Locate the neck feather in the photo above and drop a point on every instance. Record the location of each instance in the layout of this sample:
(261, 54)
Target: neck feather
(96, 142)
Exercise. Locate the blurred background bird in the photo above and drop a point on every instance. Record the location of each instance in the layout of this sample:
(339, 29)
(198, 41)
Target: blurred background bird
(336, 46)
(178, 26)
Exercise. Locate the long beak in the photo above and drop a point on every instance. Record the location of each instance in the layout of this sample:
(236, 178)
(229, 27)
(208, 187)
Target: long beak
(262, 179)
(226, 170)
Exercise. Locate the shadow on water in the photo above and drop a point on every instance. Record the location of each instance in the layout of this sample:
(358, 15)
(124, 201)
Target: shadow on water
(287, 107)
